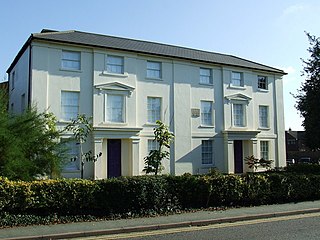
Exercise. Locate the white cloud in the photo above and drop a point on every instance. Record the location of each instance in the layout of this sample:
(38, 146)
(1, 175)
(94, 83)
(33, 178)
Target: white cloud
(294, 9)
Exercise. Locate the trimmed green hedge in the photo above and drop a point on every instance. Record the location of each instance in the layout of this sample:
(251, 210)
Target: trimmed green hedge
(130, 196)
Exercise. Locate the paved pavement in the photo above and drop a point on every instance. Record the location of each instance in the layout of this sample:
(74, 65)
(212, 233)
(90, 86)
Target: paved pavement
(85, 229)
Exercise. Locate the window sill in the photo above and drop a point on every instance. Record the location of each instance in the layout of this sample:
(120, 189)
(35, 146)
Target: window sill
(207, 165)
(237, 87)
(155, 79)
(263, 90)
(64, 121)
(70, 70)
(206, 126)
(206, 84)
(239, 128)
(109, 124)
(123, 75)
(151, 124)
(264, 128)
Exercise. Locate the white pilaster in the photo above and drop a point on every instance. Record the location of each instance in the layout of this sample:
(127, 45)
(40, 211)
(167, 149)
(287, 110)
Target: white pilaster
(135, 156)
(98, 165)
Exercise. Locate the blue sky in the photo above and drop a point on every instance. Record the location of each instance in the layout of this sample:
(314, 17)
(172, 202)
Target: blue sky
(266, 31)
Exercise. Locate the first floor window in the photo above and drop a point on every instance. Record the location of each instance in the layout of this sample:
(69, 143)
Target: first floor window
(71, 60)
(152, 145)
(153, 69)
(69, 105)
(206, 113)
(236, 79)
(115, 108)
(72, 159)
(207, 154)
(205, 76)
(263, 116)
(238, 115)
(115, 64)
(154, 109)
(264, 150)
(262, 82)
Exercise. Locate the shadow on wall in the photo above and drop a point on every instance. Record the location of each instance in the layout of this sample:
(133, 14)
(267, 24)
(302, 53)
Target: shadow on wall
(192, 163)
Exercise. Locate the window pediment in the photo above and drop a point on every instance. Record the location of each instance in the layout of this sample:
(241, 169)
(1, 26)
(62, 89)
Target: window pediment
(238, 97)
(115, 86)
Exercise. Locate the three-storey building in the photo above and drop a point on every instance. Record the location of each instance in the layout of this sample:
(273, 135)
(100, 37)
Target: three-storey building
(221, 108)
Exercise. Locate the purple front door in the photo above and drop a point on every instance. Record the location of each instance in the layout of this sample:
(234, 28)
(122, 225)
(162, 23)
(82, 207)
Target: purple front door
(114, 158)
(238, 156)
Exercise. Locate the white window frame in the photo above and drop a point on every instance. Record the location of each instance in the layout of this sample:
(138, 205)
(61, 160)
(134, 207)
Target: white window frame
(206, 117)
(70, 60)
(234, 80)
(112, 68)
(263, 116)
(152, 145)
(206, 78)
(72, 161)
(264, 150)
(207, 152)
(152, 114)
(123, 110)
(64, 115)
(154, 69)
(260, 77)
(244, 118)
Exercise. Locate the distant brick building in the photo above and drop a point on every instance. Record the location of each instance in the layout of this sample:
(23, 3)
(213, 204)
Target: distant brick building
(296, 148)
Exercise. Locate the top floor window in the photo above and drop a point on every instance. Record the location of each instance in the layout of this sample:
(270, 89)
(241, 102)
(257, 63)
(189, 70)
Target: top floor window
(262, 82)
(237, 79)
(71, 60)
(205, 76)
(115, 64)
(153, 69)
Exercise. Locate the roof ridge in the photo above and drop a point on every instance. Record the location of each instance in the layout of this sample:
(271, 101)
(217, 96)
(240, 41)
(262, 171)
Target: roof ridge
(52, 32)
(153, 42)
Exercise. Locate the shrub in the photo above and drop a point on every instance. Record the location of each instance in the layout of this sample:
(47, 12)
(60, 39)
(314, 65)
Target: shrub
(148, 195)
(304, 168)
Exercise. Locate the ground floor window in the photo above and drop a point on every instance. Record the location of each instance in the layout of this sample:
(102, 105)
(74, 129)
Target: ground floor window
(264, 150)
(72, 156)
(207, 153)
(152, 145)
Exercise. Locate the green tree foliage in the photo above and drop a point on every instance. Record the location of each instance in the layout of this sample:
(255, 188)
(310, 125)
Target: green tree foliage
(308, 96)
(163, 137)
(29, 144)
(81, 127)
(254, 163)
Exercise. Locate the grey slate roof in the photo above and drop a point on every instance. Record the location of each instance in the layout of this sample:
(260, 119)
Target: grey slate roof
(138, 46)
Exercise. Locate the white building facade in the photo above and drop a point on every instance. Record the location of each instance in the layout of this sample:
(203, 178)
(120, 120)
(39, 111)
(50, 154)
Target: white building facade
(220, 108)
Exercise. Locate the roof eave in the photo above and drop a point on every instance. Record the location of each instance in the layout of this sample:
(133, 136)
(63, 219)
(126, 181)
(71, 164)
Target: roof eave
(21, 51)
(163, 55)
